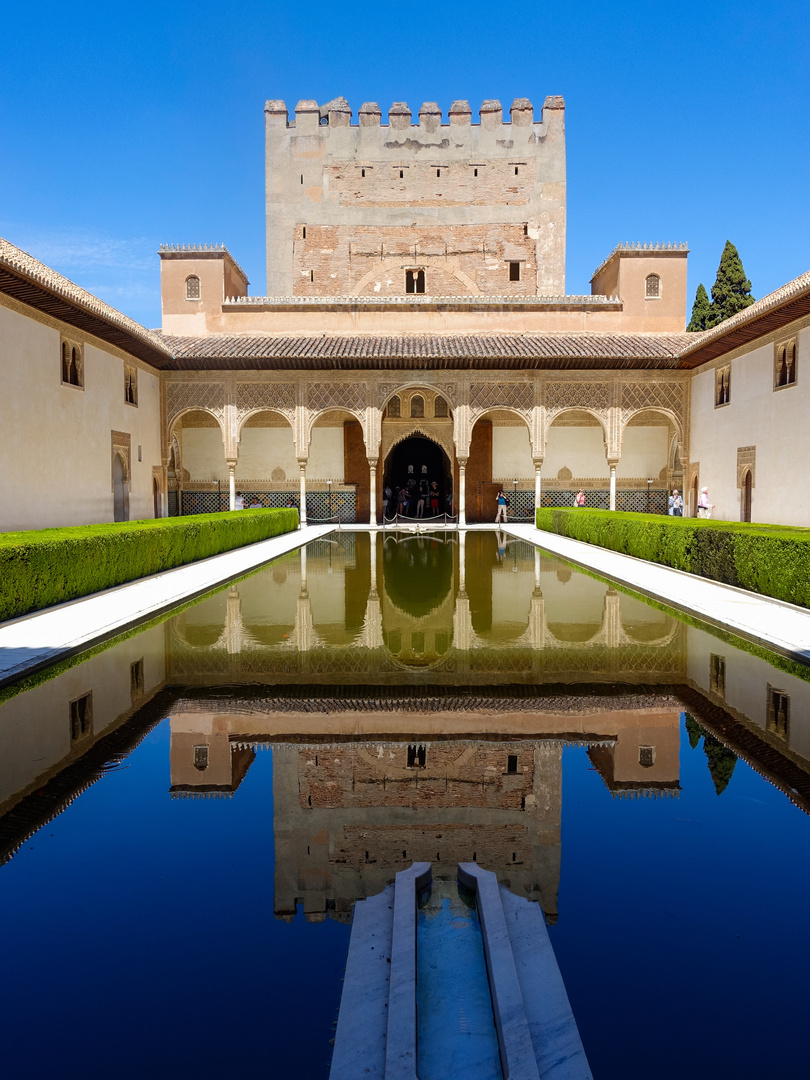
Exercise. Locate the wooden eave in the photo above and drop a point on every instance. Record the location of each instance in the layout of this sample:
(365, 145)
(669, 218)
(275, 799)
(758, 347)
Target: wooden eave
(795, 307)
(36, 295)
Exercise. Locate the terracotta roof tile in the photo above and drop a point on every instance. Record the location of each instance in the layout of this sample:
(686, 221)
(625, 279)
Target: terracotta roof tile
(328, 351)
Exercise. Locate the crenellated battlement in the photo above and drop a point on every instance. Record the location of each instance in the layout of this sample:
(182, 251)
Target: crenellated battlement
(308, 114)
(636, 248)
(425, 200)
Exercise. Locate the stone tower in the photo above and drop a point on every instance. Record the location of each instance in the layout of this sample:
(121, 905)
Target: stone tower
(443, 208)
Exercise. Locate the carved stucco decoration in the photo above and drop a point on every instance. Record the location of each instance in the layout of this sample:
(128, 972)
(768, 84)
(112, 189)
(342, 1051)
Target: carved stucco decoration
(395, 432)
(184, 396)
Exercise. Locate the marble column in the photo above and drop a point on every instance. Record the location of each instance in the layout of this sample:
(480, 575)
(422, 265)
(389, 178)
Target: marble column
(462, 564)
(231, 485)
(302, 514)
(372, 492)
(538, 491)
(462, 492)
(613, 485)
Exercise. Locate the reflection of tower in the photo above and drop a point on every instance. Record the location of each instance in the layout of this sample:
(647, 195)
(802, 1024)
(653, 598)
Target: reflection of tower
(350, 815)
(233, 622)
(204, 763)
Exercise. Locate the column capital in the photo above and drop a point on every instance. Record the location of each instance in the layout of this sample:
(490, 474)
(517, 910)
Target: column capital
(613, 462)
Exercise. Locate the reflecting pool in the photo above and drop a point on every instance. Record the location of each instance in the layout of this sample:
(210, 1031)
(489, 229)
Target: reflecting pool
(188, 814)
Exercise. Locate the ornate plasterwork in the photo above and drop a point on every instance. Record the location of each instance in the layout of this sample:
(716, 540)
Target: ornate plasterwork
(538, 399)
(746, 462)
(396, 431)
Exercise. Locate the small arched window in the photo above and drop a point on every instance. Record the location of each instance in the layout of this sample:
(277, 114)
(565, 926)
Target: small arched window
(417, 407)
(439, 407)
(65, 362)
(784, 370)
(193, 288)
(652, 287)
(394, 407)
(75, 370)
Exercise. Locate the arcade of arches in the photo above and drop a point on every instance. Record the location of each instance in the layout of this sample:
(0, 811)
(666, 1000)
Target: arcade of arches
(353, 444)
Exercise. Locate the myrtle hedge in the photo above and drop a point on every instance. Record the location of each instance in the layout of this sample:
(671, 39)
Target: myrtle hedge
(48, 566)
(770, 559)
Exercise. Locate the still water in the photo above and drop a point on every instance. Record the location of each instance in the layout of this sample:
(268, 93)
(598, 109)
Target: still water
(188, 814)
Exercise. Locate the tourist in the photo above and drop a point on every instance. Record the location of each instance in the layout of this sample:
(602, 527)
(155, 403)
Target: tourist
(501, 538)
(386, 501)
(239, 501)
(424, 493)
(704, 507)
(434, 499)
(503, 502)
(675, 504)
(579, 498)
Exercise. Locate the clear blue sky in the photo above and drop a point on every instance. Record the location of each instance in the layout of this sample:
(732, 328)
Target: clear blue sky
(126, 126)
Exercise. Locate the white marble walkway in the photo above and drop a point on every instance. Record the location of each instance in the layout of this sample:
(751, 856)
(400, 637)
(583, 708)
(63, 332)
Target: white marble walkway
(773, 623)
(43, 637)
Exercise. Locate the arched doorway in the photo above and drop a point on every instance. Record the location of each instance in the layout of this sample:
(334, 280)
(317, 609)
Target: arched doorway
(748, 485)
(119, 490)
(693, 497)
(411, 460)
(156, 496)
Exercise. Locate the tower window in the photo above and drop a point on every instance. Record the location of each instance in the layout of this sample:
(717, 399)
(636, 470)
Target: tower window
(717, 675)
(652, 287)
(414, 281)
(784, 372)
(72, 364)
(303, 232)
(438, 172)
(193, 290)
(363, 172)
(200, 757)
(302, 178)
(475, 172)
(401, 174)
(516, 170)
(417, 755)
(722, 386)
(778, 712)
(130, 385)
(81, 717)
(514, 271)
(646, 756)
(312, 275)
(511, 763)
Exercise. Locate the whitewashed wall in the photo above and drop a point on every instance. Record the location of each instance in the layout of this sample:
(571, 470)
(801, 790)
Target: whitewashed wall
(261, 450)
(776, 422)
(511, 453)
(57, 463)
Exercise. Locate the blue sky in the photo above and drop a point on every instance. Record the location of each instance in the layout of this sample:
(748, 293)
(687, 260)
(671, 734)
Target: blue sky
(123, 127)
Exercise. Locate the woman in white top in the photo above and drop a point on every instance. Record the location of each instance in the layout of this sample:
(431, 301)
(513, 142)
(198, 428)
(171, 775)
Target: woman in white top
(704, 507)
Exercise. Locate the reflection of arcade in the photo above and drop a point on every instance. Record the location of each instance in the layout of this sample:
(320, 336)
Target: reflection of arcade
(412, 467)
(458, 784)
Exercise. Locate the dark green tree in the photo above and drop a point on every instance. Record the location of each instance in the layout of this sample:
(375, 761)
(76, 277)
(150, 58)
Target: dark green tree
(700, 310)
(731, 291)
(693, 730)
(721, 762)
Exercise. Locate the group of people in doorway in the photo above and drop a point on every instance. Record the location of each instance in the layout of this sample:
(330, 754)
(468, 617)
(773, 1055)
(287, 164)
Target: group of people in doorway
(417, 497)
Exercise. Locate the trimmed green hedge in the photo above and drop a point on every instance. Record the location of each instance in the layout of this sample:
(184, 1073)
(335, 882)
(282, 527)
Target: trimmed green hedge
(770, 559)
(48, 566)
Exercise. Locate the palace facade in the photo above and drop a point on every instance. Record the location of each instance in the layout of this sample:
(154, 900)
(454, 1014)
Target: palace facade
(417, 323)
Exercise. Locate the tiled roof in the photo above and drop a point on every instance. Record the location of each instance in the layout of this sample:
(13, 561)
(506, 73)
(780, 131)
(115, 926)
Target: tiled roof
(332, 351)
(26, 279)
(778, 308)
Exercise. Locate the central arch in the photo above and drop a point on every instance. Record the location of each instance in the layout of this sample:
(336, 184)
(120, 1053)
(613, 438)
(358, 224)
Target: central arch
(411, 460)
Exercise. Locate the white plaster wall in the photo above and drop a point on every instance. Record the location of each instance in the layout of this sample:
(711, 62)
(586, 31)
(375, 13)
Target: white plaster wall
(773, 421)
(580, 449)
(204, 454)
(261, 450)
(35, 726)
(747, 679)
(644, 453)
(326, 458)
(58, 437)
(511, 453)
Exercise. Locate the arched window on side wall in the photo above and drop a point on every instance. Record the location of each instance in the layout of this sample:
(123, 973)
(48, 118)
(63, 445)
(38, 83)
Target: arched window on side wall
(440, 407)
(652, 287)
(417, 407)
(394, 408)
(65, 362)
(193, 291)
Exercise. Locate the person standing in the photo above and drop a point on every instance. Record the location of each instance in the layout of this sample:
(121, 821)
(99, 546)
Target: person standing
(239, 501)
(434, 499)
(502, 505)
(579, 499)
(704, 507)
(675, 504)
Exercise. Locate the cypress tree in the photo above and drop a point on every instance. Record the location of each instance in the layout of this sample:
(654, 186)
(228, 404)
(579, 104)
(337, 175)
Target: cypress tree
(700, 310)
(731, 291)
(721, 762)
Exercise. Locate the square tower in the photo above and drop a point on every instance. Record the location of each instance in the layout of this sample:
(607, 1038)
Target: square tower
(443, 208)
